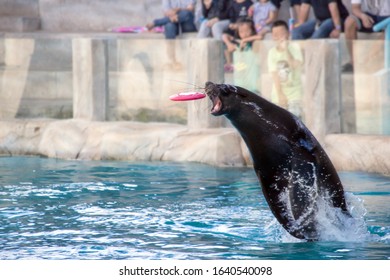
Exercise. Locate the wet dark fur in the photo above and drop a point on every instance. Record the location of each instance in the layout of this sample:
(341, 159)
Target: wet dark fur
(292, 167)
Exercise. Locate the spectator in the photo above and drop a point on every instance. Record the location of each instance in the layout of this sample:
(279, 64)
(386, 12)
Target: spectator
(245, 29)
(284, 63)
(264, 14)
(177, 14)
(365, 14)
(209, 15)
(216, 18)
(294, 4)
(238, 9)
(328, 22)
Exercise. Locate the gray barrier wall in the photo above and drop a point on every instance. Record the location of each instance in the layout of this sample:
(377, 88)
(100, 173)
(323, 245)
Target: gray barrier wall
(115, 78)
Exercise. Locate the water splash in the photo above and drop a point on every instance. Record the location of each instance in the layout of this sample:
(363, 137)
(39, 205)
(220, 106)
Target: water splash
(334, 225)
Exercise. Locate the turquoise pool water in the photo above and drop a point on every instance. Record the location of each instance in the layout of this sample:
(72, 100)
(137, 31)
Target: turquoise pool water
(56, 209)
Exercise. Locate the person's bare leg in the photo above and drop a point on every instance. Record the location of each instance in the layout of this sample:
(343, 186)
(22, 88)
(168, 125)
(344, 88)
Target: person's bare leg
(171, 53)
(350, 31)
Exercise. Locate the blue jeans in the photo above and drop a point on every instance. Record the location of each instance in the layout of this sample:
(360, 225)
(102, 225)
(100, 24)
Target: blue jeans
(308, 30)
(171, 29)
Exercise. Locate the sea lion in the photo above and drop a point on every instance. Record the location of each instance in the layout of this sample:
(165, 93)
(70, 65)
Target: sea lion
(294, 171)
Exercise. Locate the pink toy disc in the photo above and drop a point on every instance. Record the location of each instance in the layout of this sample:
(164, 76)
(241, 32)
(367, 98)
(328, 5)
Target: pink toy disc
(186, 96)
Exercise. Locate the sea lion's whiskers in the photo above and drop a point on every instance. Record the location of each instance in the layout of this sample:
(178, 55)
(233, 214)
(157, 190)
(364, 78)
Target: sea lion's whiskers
(192, 85)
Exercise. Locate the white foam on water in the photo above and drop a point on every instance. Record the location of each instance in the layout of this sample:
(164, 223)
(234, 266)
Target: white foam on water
(334, 225)
(276, 233)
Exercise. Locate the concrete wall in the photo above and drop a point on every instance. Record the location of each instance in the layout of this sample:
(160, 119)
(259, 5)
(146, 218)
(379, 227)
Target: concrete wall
(100, 15)
(36, 76)
(96, 15)
(139, 74)
(19, 15)
(37, 79)
(19, 7)
(82, 15)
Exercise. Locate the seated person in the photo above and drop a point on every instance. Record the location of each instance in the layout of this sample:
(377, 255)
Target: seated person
(216, 18)
(238, 9)
(177, 14)
(294, 4)
(365, 14)
(264, 14)
(328, 21)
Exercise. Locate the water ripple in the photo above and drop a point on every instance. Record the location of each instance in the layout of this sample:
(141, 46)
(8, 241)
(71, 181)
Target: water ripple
(54, 209)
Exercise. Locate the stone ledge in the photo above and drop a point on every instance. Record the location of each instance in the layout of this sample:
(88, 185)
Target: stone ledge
(352, 152)
(85, 140)
(19, 23)
(76, 139)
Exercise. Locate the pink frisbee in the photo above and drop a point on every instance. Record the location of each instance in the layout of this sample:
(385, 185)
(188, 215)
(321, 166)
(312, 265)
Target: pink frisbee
(186, 96)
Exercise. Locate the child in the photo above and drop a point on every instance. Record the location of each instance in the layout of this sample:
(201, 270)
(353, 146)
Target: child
(245, 29)
(284, 63)
(264, 14)
(238, 9)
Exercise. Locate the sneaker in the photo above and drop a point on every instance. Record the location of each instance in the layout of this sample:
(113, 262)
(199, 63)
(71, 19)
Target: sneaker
(347, 68)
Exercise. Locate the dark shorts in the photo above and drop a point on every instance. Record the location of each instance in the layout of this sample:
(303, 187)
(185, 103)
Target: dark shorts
(277, 3)
(360, 26)
(295, 2)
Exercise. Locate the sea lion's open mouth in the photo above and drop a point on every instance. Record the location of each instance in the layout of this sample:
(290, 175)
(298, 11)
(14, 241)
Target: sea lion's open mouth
(217, 104)
(212, 92)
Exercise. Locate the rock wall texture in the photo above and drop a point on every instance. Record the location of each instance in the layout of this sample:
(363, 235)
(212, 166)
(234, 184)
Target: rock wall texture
(85, 140)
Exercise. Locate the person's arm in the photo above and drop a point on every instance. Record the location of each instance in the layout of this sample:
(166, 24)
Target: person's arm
(214, 11)
(207, 4)
(262, 26)
(227, 39)
(205, 10)
(171, 12)
(258, 36)
(212, 21)
(366, 19)
(190, 7)
(335, 13)
(303, 13)
(271, 17)
(295, 61)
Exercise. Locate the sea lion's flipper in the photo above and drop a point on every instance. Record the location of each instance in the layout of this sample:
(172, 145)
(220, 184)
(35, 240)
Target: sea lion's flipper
(302, 197)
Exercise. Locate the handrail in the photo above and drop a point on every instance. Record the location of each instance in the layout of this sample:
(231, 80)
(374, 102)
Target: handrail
(381, 25)
(385, 25)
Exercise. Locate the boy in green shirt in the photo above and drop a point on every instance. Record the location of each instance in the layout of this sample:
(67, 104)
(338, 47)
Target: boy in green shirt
(284, 63)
